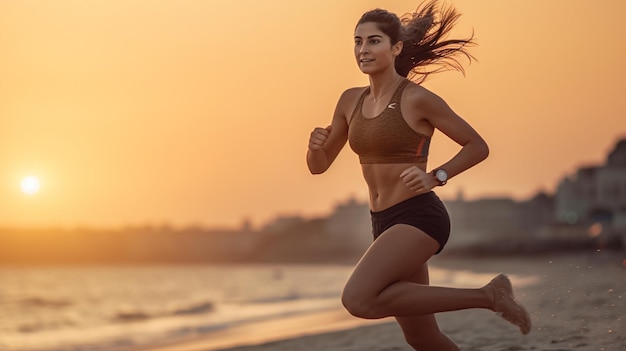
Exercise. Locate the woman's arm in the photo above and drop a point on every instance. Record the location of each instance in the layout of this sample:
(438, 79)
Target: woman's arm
(474, 149)
(326, 143)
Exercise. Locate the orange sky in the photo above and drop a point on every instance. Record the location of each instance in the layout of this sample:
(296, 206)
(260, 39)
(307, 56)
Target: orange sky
(198, 112)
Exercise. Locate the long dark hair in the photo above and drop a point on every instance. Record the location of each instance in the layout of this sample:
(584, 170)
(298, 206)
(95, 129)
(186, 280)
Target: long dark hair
(423, 33)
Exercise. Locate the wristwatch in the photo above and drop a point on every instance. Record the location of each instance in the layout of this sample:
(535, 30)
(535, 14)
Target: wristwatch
(441, 176)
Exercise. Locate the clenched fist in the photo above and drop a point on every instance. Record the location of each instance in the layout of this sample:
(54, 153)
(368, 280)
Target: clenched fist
(318, 138)
(418, 180)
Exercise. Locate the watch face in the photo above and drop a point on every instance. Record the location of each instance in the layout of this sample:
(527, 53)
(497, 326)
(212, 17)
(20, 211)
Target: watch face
(441, 175)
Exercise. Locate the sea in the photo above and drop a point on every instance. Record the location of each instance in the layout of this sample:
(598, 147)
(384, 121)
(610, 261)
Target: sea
(133, 307)
(112, 307)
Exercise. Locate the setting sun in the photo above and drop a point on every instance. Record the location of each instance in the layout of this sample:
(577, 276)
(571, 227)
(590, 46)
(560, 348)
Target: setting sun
(30, 185)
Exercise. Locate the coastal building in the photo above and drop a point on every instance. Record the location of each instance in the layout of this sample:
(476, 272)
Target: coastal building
(349, 225)
(472, 221)
(596, 194)
(281, 223)
(483, 219)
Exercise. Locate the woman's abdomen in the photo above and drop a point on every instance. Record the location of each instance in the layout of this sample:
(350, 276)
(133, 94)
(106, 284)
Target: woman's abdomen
(386, 188)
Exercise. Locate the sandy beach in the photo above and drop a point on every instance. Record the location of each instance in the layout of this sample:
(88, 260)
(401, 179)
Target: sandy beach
(577, 302)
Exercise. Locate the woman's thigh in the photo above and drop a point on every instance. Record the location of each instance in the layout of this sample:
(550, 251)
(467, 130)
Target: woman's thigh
(396, 255)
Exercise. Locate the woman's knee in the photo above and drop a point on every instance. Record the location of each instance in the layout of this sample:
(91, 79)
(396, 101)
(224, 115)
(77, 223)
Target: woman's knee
(359, 304)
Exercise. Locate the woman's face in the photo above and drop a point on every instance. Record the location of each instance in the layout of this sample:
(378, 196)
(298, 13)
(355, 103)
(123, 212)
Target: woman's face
(372, 48)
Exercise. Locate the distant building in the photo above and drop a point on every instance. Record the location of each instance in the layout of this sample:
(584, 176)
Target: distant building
(280, 223)
(482, 219)
(538, 212)
(596, 194)
(349, 225)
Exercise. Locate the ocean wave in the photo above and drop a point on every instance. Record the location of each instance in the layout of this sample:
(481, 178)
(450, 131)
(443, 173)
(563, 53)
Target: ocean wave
(41, 302)
(38, 326)
(292, 296)
(30, 328)
(200, 308)
(131, 316)
(274, 299)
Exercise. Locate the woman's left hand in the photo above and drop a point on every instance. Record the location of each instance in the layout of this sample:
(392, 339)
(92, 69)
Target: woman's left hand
(417, 180)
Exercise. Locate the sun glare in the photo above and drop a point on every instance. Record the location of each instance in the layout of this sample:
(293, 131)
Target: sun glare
(30, 185)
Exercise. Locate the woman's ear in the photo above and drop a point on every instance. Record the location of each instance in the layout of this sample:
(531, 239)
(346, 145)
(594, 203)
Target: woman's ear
(397, 48)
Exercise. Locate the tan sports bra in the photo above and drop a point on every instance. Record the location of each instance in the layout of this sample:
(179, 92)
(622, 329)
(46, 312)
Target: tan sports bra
(386, 138)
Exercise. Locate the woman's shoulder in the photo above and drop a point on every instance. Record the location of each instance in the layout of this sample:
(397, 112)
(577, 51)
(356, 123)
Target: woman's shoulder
(416, 93)
(354, 91)
(414, 90)
(351, 95)
(348, 101)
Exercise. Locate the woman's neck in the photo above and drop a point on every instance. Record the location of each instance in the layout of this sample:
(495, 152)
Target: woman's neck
(382, 85)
